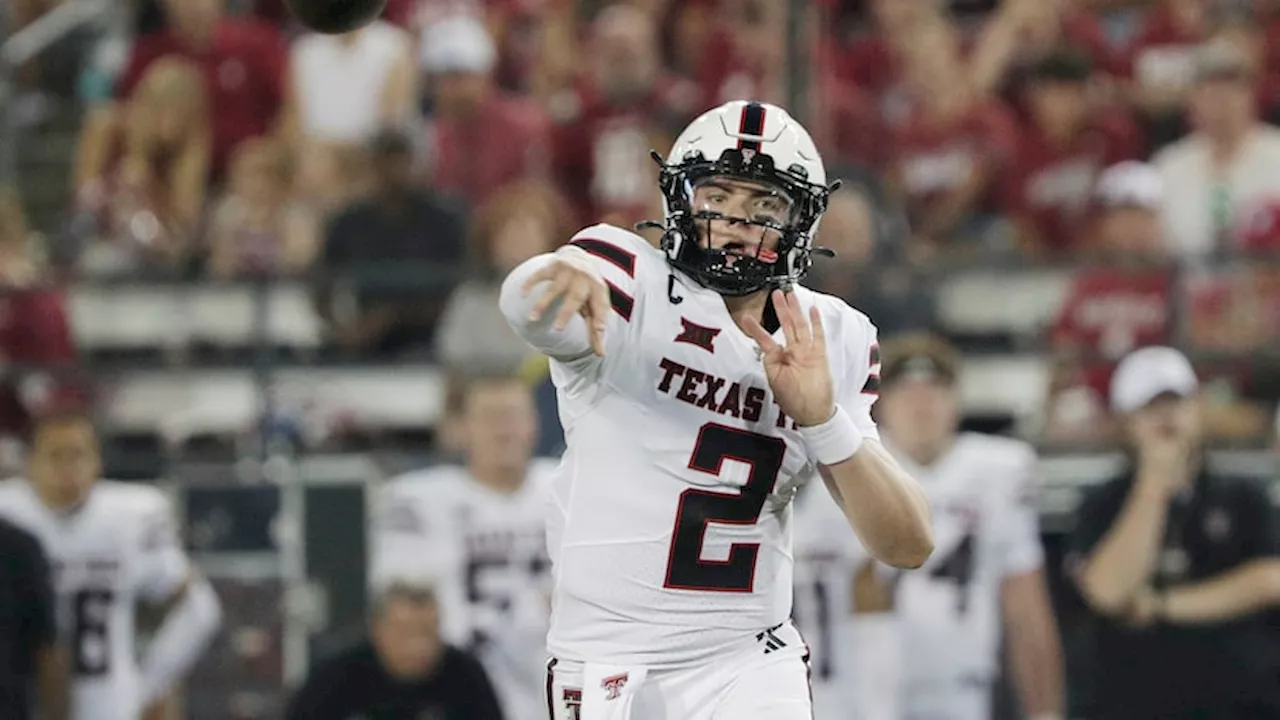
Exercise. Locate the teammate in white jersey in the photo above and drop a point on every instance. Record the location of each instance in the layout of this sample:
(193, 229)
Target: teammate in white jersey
(984, 582)
(477, 535)
(111, 546)
(857, 665)
(699, 386)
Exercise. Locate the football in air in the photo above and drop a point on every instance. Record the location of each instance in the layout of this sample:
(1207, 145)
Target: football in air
(336, 16)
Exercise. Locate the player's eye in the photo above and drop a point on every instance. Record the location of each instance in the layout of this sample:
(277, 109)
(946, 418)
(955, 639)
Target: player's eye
(771, 204)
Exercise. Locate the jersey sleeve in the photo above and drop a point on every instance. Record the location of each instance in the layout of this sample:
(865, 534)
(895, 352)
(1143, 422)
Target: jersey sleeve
(1021, 548)
(165, 566)
(406, 539)
(615, 254)
(861, 387)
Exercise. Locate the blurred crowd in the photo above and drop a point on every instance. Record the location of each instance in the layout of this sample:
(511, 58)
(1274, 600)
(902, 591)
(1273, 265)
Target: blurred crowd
(1129, 139)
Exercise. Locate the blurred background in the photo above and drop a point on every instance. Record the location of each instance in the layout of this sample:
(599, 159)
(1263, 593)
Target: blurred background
(266, 257)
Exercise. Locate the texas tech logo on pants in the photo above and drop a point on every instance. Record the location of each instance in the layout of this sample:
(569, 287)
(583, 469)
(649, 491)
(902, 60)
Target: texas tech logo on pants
(572, 700)
(613, 686)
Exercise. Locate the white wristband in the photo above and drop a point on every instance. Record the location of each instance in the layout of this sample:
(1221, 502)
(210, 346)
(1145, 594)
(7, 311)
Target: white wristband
(834, 441)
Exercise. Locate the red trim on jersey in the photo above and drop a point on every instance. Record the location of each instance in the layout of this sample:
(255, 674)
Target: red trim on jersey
(872, 386)
(605, 250)
(622, 303)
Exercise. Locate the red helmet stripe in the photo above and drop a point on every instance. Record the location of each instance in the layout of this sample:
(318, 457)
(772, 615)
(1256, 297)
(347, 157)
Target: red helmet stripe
(751, 123)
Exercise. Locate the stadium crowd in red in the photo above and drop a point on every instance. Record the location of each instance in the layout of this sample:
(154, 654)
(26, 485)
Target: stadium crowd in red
(1128, 135)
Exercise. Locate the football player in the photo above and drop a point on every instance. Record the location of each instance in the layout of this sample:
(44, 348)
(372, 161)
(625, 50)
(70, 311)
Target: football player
(477, 536)
(985, 582)
(699, 386)
(111, 546)
(833, 580)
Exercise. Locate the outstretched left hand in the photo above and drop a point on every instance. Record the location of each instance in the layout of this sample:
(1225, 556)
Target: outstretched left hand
(798, 372)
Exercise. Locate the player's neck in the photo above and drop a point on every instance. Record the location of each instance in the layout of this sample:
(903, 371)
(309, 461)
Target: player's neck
(60, 503)
(498, 479)
(740, 308)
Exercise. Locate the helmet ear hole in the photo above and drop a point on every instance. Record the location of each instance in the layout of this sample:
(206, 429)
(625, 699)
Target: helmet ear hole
(799, 171)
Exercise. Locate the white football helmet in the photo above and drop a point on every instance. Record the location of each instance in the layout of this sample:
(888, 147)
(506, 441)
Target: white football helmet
(754, 142)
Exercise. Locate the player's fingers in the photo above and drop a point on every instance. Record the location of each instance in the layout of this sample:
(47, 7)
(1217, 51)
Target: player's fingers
(574, 296)
(547, 273)
(597, 315)
(554, 290)
(815, 325)
(757, 332)
(783, 311)
(803, 332)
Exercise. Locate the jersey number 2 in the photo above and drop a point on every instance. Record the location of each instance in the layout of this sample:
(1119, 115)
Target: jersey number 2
(686, 570)
(91, 615)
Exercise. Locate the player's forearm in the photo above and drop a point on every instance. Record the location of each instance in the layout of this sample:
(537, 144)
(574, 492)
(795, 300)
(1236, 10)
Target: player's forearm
(569, 343)
(1245, 590)
(885, 505)
(181, 640)
(1035, 652)
(54, 681)
(1122, 562)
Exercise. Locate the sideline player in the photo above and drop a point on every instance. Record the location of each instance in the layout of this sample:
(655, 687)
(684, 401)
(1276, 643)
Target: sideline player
(477, 536)
(986, 580)
(111, 546)
(832, 579)
(699, 387)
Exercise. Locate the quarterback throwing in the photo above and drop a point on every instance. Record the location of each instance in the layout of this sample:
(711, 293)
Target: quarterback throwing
(700, 386)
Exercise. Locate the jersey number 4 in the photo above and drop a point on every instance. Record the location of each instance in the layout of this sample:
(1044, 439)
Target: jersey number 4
(91, 618)
(958, 568)
(686, 570)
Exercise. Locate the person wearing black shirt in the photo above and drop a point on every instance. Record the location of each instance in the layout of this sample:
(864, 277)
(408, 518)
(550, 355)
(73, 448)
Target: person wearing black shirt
(378, 249)
(1178, 563)
(29, 654)
(402, 671)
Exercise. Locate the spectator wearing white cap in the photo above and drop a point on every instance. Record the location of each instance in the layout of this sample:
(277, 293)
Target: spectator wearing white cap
(1177, 562)
(483, 138)
(1127, 198)
(1227, 164)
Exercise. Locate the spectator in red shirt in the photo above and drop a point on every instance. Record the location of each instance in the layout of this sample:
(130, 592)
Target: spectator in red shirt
(746, 58)
(874, 60)
(1159, 64)
(1235, 308)
(1023, 32)
(243, 62)
(36, 347)
(954, 145)
(1113, 308)
(483, 138)
(1060, 152)
(608, 123)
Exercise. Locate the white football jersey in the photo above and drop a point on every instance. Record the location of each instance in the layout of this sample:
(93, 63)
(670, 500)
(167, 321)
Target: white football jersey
(827, 556)
(118, 548)
(986, 528)
(670, 533)
(485, 553)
